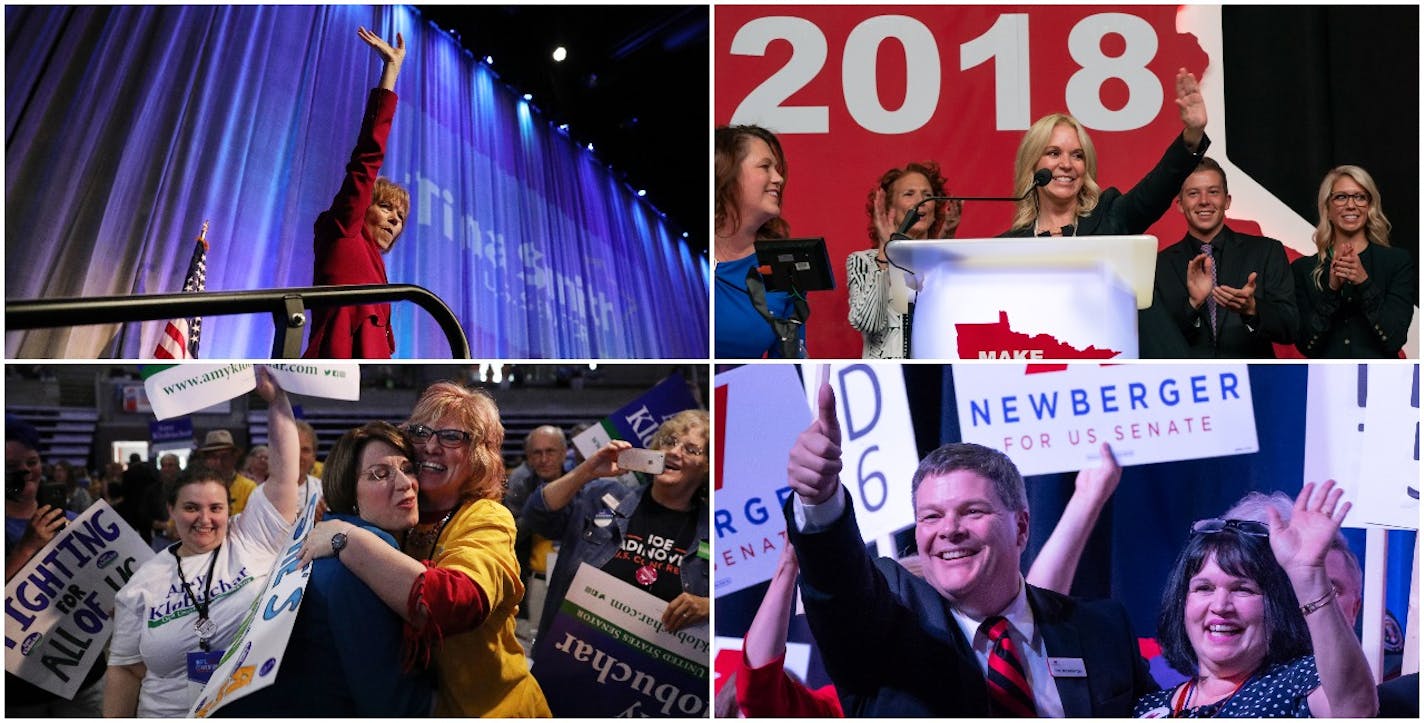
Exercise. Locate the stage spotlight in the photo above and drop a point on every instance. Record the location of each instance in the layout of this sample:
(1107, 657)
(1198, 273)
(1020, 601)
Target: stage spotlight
(590, 148)
(642, 192)
(489, 60)
(684, 234)
(528, 96)
(560, 53)
(564, 127)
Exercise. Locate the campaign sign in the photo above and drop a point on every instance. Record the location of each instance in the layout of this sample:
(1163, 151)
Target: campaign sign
(1051, 419)
(608, 656)
(639, 420)
(165, 433)
(760, 411)
(58, 606)
(1362, 430)
(877, 443)
(252, 660)
(187, 388)
(329, 381)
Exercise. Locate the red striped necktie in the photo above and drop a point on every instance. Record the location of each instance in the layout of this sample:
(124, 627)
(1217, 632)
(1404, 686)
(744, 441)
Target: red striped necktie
(1009, 693)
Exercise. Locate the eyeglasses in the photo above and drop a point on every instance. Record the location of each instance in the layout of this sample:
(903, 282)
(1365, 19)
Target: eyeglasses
(383, 472)
(448, 437)
(668, 444)
(1360, 199)
(1216, 524)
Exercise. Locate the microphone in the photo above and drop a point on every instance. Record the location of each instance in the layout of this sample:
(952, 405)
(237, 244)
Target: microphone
(1041, 177)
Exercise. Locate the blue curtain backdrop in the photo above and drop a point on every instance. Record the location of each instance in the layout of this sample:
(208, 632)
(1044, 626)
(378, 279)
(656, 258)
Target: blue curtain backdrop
(126, 127)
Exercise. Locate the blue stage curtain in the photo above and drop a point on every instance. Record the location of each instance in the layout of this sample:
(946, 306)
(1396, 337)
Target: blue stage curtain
(126, 127)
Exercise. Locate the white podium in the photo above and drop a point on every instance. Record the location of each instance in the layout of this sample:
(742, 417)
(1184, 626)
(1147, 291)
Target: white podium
(1028, 298)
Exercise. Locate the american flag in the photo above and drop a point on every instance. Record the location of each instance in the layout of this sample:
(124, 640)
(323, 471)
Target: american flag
(180, 336)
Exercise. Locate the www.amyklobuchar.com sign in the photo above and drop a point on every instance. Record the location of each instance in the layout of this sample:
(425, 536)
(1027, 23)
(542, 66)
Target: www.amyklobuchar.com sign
(607, 655)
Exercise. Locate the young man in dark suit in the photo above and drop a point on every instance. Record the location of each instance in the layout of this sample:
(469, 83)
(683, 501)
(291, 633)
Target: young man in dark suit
(969, 639)
(1243, 281)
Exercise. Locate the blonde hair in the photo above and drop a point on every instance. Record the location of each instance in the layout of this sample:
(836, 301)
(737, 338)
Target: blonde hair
(391, 192)
(1035, 142)
(1377, 226)
(477, 414)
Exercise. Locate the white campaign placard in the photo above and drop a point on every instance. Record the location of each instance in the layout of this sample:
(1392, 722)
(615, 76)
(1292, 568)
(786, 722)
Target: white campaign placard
(877, 442)
(1053, 418)
(760, 411)
(1361, 430)
(58, 607)
(329, 381)
(186, 388)
(253, 659)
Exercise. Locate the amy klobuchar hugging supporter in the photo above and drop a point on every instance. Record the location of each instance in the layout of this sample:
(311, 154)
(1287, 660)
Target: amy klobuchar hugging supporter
(344, 656)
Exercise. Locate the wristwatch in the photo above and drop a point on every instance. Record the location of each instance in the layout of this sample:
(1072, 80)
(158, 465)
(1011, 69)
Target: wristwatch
(338, 543)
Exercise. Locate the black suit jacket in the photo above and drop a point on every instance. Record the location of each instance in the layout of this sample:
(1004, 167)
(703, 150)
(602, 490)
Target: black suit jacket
(892, 647)
(1238, 256)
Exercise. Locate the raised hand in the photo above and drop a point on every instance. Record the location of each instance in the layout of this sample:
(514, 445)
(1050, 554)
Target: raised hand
(884, 220)
(1242, 300)
(393, 56)
(1199, 279)
(389, 54)
(1191, 107)
(1100, 482)
(953, 211)
(1300, 544)
(814, 467)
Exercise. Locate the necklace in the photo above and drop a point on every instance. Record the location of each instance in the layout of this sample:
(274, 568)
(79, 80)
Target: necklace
(424, 537)
(1182, 701)
(203, 626)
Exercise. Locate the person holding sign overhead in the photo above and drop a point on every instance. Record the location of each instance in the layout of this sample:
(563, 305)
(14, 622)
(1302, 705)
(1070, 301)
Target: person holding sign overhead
(1072, 204)
(181, 609)
(654, 537)
(970, 638)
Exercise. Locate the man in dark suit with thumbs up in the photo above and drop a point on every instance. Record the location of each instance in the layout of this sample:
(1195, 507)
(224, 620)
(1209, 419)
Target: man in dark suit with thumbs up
(971, 638)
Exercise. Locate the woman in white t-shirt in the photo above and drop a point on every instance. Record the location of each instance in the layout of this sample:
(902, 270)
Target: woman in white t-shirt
(181, 609)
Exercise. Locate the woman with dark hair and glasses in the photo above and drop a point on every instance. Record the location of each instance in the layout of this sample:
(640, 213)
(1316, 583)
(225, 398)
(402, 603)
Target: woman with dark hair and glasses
(654, 537)
(343, 658)
(457, 584)
(1246, 604)
(1357, 294)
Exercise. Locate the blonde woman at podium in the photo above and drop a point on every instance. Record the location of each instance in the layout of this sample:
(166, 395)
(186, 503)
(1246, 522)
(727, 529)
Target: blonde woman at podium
(881, 297)
(1072, 203)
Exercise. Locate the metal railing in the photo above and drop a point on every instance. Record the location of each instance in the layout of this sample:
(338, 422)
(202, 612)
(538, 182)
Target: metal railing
(287, 306)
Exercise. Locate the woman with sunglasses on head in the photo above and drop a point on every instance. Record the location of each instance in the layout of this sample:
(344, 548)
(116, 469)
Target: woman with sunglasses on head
(617, 529)
(1357, 294)
(457, 584)
(1246, 604)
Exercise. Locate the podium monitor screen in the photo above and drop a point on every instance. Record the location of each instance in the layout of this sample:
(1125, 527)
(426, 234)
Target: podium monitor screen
(796, 264)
